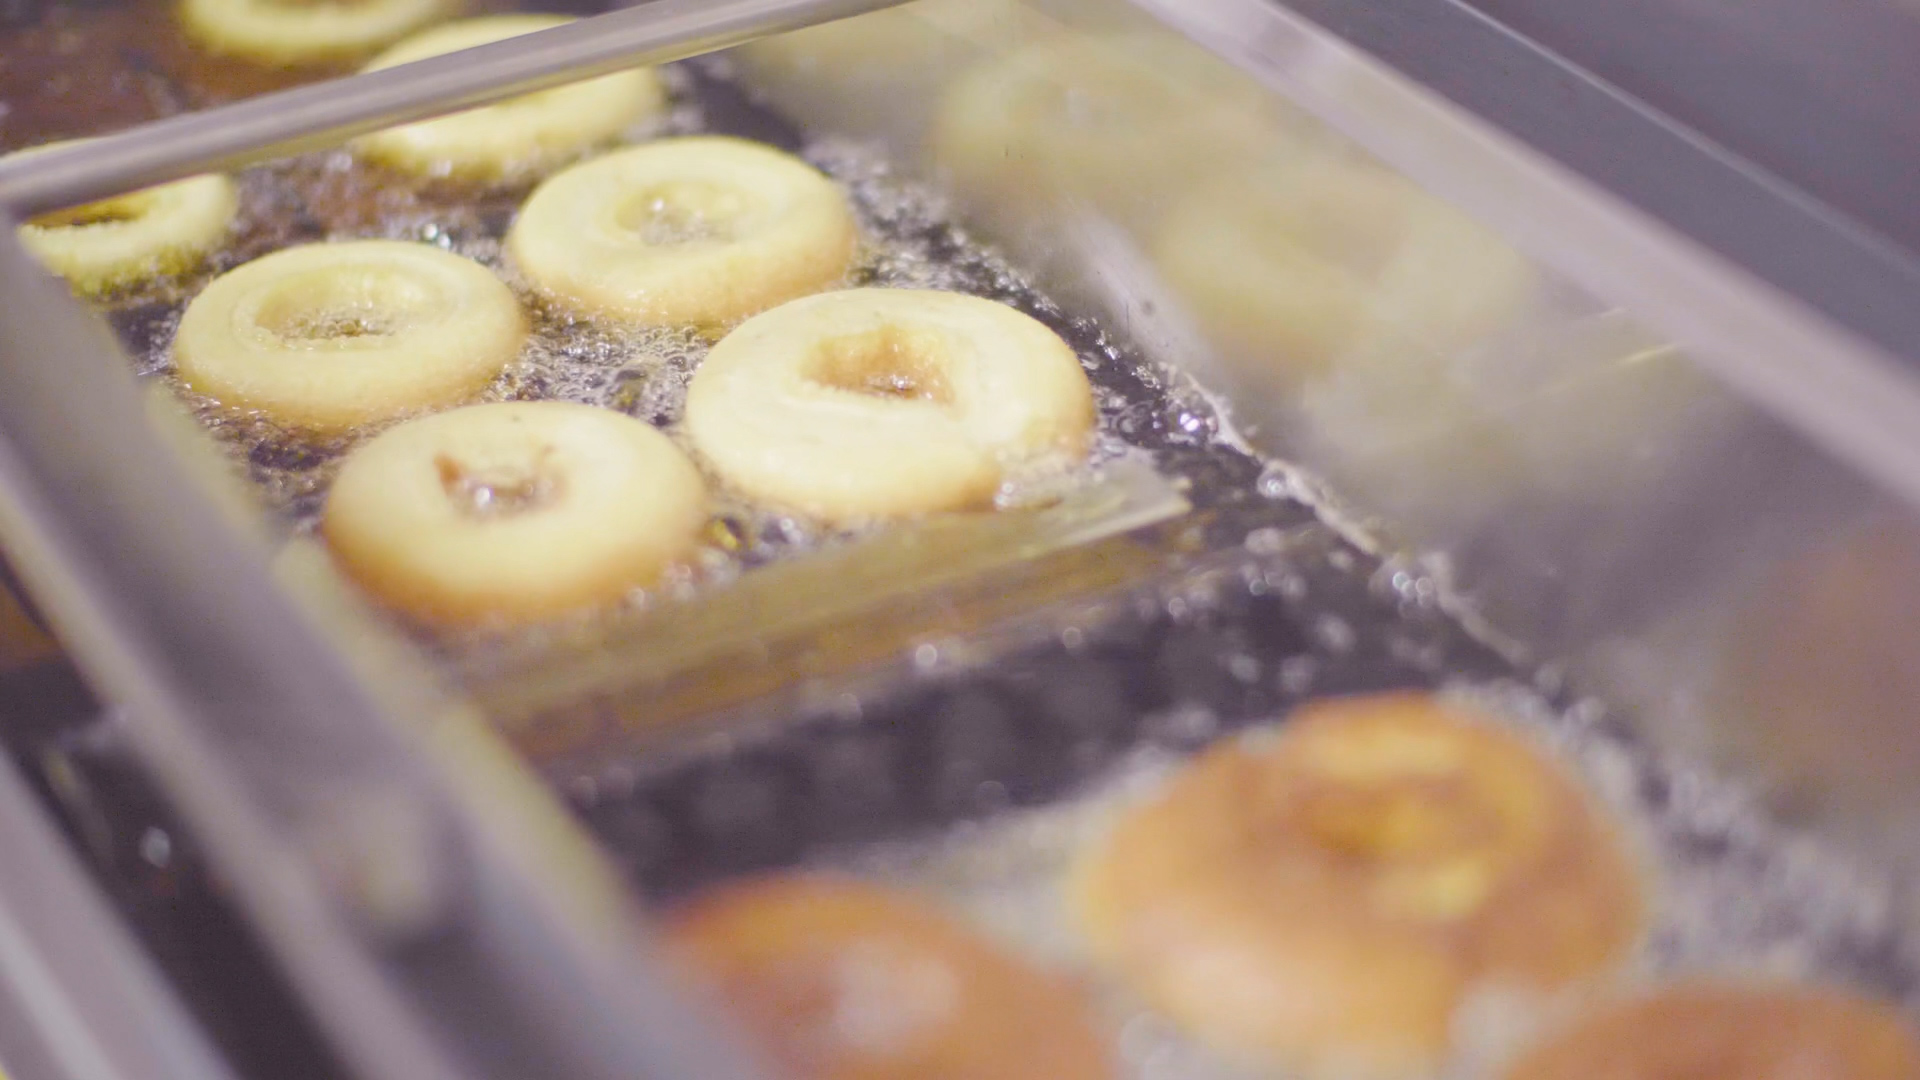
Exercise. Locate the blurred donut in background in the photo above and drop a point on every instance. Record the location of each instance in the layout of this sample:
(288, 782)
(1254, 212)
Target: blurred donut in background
(1118, 123)
(882, 71)
(840, 980)
(1704, 1031)
(1326, 895)
(1297, 267)
(1819, 686)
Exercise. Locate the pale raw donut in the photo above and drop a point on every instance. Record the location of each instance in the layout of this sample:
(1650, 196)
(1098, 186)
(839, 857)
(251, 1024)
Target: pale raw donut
(514, 138)
(512, 512)
(289, 33)
(1704, 1031)
(326, 337)
(873, 403)
(1326, 895)
(844, 981)
(700, 231)
(146, 234)
(1290, 270)
(1123, 122)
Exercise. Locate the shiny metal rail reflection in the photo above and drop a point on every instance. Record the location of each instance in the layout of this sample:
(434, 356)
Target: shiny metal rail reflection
(327, 114)
(79, 1000)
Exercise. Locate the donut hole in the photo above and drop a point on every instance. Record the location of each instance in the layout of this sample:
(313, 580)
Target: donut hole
(891, 363)
(343, 305)
(854, 1000)
(683, 212)
(497, 490)
(118, 211)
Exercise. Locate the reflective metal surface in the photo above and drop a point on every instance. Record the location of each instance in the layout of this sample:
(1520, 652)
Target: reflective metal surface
(78, 999)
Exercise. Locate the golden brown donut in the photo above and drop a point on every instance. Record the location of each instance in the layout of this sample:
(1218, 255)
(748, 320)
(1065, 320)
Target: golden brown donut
(1325, 895)
(1704, 1031)
(846, 981)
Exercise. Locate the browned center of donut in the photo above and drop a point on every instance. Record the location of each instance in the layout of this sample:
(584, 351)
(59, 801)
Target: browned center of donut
(487, 492)
(890, 362)
(1420, 820)
(848, 1001)
(1424, 832)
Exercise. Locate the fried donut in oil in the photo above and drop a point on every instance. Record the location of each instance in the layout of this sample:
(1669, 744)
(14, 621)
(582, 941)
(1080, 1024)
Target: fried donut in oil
(1325, 895)
(517, 138)
(845, 981)
(1295, 268)
(325, 337)
(701, 231)
(877, 403)
(512, 512)
(1120, 121)
(297, 33)
(1708, 1031)
(151, 233)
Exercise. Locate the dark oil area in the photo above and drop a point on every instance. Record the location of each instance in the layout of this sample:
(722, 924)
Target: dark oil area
(1272, 608)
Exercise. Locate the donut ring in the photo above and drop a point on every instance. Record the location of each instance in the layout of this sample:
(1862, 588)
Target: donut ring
(874, 403)
(1291, 269)
(703, 231)
(843, 981)
(1703, 1031)
(147, 234)
(293, 33)
(326, 337)
(1122, 121)
(512, 512)
(1324, 896)
(514, 138)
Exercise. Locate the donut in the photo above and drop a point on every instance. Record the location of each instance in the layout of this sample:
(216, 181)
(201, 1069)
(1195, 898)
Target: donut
(297, 33)
(515, 138)
(883, 71)
(700, 231)
(1814, 683)
(1121, 121)
(1709, 1031)
(1291, 269)
(844, 981)
(326, 337)
(512, 512)
(147, 234)
(1325, 895)
(879, 403)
